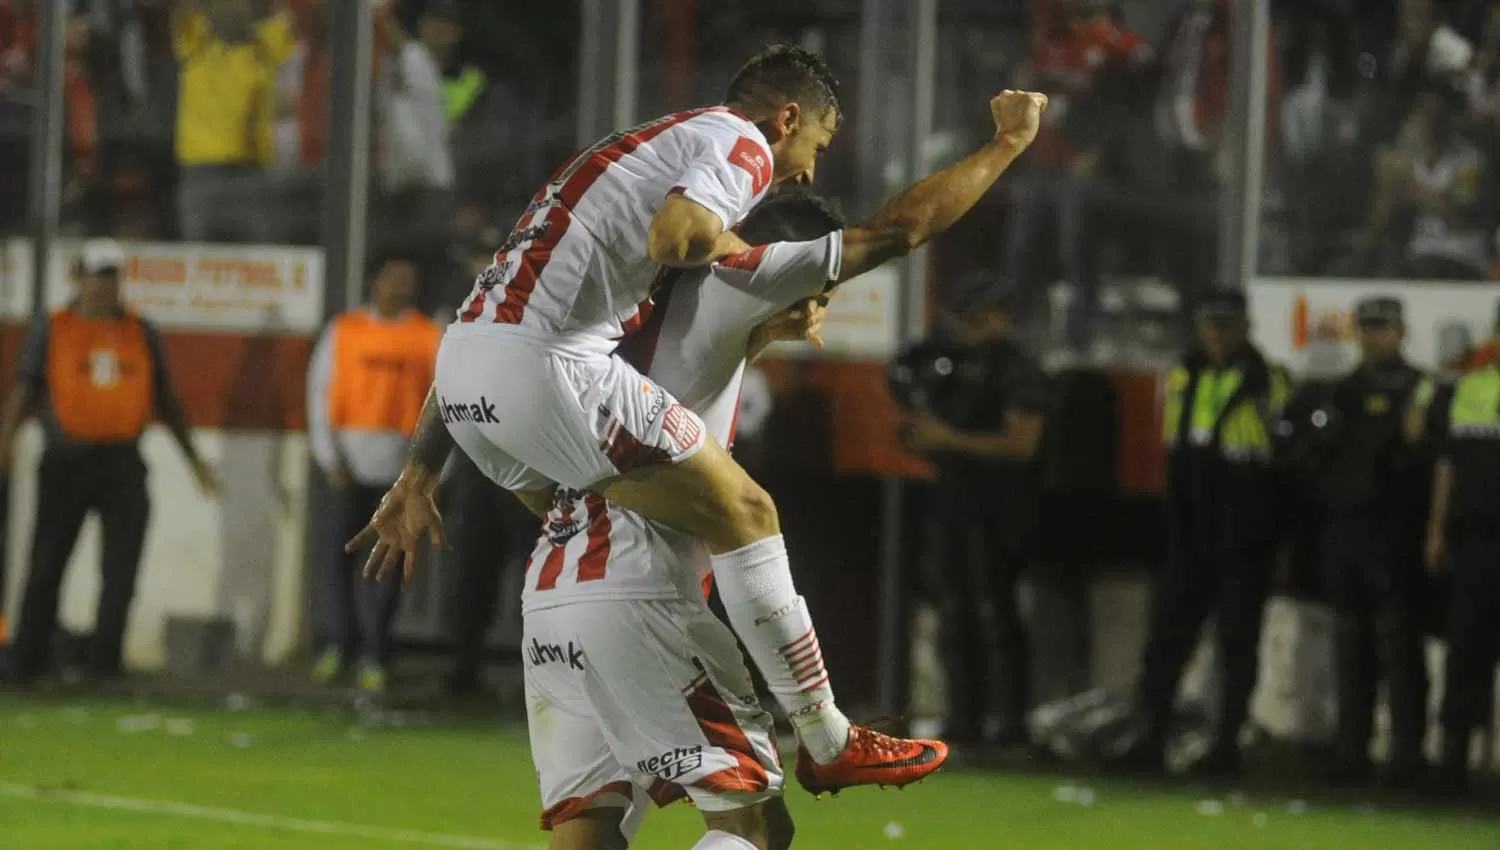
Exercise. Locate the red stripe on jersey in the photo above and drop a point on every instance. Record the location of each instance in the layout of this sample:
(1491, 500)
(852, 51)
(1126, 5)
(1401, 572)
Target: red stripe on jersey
(708, 586)
(572, 807)
(533, 261)
(628, 453)
(595, 558)
(553, 566)
(644, 331)
(716, 719)
(745, 260)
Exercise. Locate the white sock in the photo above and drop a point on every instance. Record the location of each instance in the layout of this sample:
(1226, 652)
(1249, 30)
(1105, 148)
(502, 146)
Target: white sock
(716, 840)
(755, 584)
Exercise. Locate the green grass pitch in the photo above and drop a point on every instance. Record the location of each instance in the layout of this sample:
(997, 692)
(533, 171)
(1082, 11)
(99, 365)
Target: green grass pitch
(120, 775)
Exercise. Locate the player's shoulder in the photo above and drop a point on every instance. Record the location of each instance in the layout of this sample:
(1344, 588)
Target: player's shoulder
(724, 122)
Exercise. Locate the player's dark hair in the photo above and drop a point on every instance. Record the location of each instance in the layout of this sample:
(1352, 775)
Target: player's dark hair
(785, 73)
(791, 216)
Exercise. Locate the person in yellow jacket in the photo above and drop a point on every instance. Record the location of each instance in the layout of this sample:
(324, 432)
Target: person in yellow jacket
(95, 374)
(1220, 408)
(366, 385)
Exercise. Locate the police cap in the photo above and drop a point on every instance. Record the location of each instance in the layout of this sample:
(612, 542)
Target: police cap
(1224, 304)
(1381, 310)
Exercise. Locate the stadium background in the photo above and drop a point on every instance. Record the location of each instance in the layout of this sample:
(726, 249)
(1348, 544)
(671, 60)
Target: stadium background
(240, 318)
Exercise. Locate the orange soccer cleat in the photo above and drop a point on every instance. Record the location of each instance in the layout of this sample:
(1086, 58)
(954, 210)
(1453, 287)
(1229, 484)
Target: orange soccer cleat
(871, 758)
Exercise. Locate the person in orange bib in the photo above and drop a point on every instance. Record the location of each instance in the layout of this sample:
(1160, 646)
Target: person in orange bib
(365, 389)
(95, 374)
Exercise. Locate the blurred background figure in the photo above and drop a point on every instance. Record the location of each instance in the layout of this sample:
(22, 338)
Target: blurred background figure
(1374, 498)
(979, 405)
(95, 374)
(1221, 404)
(368, 379)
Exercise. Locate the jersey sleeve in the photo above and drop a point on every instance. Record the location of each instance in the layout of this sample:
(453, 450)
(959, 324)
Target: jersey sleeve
(731, 168)
(780, 274)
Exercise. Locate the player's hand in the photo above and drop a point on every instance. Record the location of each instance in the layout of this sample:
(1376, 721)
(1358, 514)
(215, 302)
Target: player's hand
(802, 322)
(1018, 115)
(406, 515)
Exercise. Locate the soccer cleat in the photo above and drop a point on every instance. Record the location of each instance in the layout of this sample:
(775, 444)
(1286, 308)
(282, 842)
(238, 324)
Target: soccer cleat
(871, 758)
(330, 665)
(372, 679)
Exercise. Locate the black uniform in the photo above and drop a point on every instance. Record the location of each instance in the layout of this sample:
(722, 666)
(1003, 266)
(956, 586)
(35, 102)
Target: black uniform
(1373, 495)
(979, 528)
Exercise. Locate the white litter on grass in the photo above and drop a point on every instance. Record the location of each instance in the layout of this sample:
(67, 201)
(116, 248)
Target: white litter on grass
(241, 741)
(26, 721)
(1065, 794)
(894, 831)
(1238, 799)
(357, 734)
(1209, 807)
(75, 715)
(1296, 807)
(1086, 797)
(1259, 819)
(180, 726)
(237, 702)
(138, 723)
(253, 819)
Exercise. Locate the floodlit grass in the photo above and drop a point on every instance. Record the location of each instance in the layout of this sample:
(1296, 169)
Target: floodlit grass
(105, 775)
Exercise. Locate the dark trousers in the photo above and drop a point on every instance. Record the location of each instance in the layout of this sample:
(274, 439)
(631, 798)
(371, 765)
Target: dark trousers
(356, 614)
(489, 527)
(110, 481)
(975, 559)
(1215, 565)
(1375, 584)
(1473, 634)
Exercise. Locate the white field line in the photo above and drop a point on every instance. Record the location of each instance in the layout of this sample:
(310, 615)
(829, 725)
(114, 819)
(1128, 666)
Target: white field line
(239, 818)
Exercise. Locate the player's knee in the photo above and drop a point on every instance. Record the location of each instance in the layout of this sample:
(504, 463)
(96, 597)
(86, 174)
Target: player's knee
(754, 824)
(751, 515)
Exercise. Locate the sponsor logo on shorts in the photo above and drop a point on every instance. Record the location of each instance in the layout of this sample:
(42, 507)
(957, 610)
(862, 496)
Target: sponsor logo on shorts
(550, 653)
(657, 402)
(673, 765)
(482, 410)
(681, 426)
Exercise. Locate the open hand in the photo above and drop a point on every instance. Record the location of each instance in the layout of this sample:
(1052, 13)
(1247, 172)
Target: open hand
(802, 321)
(1018, 114)
(406, 515)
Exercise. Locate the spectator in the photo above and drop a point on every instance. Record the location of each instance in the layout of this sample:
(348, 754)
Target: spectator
(228, 61)
(369, 377)
(17, 100)
(1436, 180)
(1077, 132)
(96, 372)
(1423, 51)
(416, 163)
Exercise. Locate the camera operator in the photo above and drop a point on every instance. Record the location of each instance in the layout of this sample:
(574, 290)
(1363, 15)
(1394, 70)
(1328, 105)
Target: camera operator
(979, 406)
(1370, 485)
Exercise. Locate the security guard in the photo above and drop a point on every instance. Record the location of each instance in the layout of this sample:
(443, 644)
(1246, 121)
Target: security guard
(1463, 535)
(1221, 404)
(368, 379)
(1373, 499)
(980, 420)
(95, 373)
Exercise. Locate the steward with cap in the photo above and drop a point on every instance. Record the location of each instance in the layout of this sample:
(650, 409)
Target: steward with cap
(1463, 536)
(95, 374)
(1373, 498)
(978, 405)
(1219, 409)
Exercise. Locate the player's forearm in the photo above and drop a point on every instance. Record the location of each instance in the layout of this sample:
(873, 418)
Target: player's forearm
(932, 205)
(685, 234)
(430, 445)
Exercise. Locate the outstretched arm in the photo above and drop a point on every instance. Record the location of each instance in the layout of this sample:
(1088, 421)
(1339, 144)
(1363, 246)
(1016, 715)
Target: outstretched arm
(931, 206)
(430, 445)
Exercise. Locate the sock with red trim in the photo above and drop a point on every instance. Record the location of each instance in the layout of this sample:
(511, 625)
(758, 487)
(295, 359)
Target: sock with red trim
(755, 584)
(716, 840)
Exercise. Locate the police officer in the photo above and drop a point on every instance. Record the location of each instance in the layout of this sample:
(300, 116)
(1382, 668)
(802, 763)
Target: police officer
(95, 374)
(979, 416)
(367, 382)
(1463, 536)
(1220, 407)
(1373, 499)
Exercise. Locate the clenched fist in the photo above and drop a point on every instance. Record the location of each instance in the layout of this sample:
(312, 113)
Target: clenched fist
(1018, 114)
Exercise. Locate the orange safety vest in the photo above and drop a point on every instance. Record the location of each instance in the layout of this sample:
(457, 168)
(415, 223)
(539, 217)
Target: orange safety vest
(100, 377)
(382, 370)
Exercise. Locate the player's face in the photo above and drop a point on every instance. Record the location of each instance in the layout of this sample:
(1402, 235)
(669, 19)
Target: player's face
(1380, 340)
(801, 140)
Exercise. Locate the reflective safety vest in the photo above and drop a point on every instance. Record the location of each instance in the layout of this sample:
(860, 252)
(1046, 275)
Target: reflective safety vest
(1475, 413)
(1223, 409)
(460, 93)
(382, 370)
(100, 378)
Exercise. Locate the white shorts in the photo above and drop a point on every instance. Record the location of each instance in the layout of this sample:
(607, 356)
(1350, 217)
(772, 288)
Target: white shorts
(630, 699)
(529, 416)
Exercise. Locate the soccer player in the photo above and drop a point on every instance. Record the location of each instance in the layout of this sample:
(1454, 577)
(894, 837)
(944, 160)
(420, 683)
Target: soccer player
(635, 690)
(528, 382)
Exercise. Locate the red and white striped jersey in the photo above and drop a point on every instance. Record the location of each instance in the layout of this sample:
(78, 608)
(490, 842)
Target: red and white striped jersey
(576, 266)
(694, 348)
